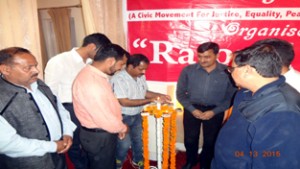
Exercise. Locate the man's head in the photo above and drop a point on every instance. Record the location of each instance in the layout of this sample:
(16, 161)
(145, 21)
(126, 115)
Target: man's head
(283, 48)
(255, 64)
(137, 65)
(95, 42)
(18, 66)
(207, 55)
(113, 56)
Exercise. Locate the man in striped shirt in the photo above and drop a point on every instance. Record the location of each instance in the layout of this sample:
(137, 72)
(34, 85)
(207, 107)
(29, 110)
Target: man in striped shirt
(131, 89)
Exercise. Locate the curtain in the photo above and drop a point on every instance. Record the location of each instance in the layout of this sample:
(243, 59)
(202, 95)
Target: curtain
(44, 55)
(105, 16)
(19, 26)
(61, 22)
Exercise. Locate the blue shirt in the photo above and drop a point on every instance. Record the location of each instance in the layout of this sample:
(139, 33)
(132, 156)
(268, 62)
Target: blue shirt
(50, 116)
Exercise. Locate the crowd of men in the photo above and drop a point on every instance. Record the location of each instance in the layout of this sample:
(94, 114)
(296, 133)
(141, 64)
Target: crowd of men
(90, 105)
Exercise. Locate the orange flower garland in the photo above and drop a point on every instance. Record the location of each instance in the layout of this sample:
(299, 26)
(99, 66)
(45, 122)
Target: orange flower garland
(169, 134)
(173, 140)
(166, 141)
(145, 136)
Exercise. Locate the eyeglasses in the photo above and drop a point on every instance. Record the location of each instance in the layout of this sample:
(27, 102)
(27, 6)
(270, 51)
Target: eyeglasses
(230, 69)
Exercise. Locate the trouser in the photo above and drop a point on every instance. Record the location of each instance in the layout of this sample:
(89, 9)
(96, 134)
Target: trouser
(76, 154)
(100, 147)
(192, 132)
(59, 161)
(133, 139)
(47, 161)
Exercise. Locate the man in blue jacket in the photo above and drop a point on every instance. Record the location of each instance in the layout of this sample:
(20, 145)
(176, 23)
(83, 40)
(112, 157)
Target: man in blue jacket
(263, 131)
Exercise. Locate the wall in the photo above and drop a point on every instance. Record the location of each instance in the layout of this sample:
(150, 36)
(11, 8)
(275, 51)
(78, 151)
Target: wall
(76, 14)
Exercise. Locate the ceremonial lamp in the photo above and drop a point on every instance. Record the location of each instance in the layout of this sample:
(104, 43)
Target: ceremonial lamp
(165, 116)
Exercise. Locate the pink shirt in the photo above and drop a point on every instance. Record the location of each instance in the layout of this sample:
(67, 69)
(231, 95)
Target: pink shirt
(94, 102)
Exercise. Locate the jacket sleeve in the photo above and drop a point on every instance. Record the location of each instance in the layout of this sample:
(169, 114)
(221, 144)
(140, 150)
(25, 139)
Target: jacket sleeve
(275, 140)
(13, 145)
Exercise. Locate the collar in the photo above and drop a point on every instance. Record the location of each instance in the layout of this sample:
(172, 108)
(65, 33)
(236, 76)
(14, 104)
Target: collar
(254, 106)
(78, 58)
(129, 76)
(270, 86)
(98, 72)
(34, 87)
(219, 67)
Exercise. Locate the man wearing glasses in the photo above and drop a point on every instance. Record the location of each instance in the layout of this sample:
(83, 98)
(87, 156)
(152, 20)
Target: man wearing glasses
(263, 130)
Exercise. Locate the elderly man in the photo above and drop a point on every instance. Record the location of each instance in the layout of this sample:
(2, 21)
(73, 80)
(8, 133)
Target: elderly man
(31, 111)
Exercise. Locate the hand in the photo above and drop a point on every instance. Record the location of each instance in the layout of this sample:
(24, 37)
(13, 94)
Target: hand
(207, 115)
(65, 144)
(60, 146)
(69, 140)
(197, 114)
(122, 135)
(165, 98)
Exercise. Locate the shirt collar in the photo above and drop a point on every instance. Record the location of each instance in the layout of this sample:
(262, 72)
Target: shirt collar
(78, 58)
(98, 72)
(33, 86)
(270, 86)
(218, 66)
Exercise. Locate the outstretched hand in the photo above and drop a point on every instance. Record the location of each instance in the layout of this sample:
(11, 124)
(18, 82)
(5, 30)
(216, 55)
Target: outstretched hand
(165, 98)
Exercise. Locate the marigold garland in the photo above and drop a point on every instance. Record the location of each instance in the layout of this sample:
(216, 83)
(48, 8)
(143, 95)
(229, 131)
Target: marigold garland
(145, 136)
(166, 141)
(173, 140)
(169, 134)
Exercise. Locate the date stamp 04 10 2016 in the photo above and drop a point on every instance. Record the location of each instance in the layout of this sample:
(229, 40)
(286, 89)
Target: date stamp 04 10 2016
(254, 154)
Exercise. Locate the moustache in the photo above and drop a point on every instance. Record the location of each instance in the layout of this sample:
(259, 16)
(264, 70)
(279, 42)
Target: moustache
(34, 75)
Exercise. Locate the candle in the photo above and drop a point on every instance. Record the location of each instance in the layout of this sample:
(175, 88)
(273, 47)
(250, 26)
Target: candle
(158, 103)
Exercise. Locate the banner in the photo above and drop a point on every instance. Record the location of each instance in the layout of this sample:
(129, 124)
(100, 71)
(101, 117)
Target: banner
(168, 32)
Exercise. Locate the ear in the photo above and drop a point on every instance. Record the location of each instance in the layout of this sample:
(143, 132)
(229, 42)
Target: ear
(5, 70)
(92, 46)
(130, 67)
(110, 61)
(249, 71)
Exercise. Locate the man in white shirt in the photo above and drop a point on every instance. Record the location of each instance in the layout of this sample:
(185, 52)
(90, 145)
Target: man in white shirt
(33, 121)
(60, 73)
(287, 54)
